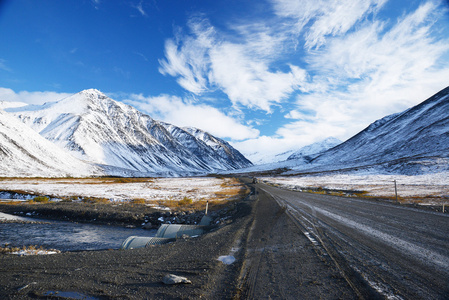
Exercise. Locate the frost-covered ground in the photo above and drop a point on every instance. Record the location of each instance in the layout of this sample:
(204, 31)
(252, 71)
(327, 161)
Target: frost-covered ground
(198, 188)
(420, 186)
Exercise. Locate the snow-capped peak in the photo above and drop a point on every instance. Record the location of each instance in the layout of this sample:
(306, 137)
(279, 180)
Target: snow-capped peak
(98, 129)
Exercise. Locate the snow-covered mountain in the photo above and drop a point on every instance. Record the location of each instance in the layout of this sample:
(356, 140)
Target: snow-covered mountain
(97, 129)
(415, 141)
(222, 152)
(308, 153)
(23, 152)
(420, 133)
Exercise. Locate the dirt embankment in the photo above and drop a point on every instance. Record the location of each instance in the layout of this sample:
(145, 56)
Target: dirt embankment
(273, 260)
(112, 214)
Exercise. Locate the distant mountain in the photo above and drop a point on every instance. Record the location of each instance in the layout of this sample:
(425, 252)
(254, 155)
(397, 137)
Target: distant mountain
(263, 158)
(410, 142)
(308, 153)
(293, 159)
(97, 129)
(24, 153)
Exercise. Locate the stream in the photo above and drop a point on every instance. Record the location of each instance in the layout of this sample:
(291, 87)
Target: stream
(65, 236)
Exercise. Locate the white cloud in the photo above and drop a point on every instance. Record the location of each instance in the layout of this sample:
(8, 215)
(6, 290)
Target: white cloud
(323, 17)
(249, 82)
(207, 60)
(38, 97)
(187, 57)
(375, 71)
(190, 75)
(174, 110)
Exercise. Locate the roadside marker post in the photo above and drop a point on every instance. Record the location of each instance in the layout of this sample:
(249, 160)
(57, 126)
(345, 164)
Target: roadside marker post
(395, 190)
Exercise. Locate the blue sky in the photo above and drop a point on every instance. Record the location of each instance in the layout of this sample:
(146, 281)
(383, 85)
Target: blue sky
(268, 76)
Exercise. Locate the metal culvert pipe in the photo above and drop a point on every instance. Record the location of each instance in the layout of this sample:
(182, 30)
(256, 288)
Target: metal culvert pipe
(134, 242)
(167, 233)
(174, 231)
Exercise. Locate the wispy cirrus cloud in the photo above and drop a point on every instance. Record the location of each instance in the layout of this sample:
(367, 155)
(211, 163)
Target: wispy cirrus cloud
(319, 19)
(140, 9)
(241, 67)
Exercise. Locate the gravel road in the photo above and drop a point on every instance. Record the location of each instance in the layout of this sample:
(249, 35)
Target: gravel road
(381, 248)
(273, 260)
(286, 245)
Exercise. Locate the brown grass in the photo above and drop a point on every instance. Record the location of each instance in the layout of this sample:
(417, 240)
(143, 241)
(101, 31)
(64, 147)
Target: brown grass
(138, 201)
(8, 250)
(41, 199)
(185, 201)
(95, 200)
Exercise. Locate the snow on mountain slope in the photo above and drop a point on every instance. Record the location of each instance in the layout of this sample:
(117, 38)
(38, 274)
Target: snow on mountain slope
(24, 153)
(222, 151)
(8, 104)
(100, 130)
(309, 152)
(419, 136)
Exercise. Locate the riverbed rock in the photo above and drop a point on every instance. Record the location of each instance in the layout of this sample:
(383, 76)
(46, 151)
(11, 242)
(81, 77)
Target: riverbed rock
(150, 225)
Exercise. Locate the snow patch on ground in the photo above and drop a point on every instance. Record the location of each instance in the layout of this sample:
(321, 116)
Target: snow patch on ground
(227, 259)
(8, 217)
(35, 252)
(198, 188)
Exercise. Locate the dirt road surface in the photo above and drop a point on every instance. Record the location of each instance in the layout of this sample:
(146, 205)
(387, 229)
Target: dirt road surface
(400, 252)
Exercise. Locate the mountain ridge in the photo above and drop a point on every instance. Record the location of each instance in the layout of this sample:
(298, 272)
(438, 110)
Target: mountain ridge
(98, 129)
(420, 130)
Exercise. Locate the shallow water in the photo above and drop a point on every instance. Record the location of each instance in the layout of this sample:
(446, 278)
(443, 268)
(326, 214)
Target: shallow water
(67, 236)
